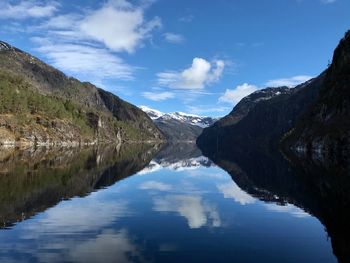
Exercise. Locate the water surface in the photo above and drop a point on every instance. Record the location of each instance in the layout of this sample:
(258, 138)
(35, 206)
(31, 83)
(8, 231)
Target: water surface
(146, 204)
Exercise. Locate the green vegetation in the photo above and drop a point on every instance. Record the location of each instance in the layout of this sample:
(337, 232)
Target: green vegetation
(25, 106)
(19, 98)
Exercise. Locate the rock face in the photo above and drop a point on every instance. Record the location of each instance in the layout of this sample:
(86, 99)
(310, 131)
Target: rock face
(41, 105)
(179, 126)
(324, 130)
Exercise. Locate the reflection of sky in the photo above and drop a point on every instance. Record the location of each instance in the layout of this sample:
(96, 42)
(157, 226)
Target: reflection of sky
(163, 215)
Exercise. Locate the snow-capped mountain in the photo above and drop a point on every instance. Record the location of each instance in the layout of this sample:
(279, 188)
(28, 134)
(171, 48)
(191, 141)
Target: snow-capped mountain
(153, 114)
(191, 119)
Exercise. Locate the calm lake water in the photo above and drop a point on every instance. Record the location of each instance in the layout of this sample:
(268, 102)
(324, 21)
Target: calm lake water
(145, 204)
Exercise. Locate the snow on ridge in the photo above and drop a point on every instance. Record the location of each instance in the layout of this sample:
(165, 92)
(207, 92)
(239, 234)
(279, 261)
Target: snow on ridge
(191, 119)
(152, 113)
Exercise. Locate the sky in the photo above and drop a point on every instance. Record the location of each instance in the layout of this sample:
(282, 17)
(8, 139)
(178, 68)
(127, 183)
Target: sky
(198, 57)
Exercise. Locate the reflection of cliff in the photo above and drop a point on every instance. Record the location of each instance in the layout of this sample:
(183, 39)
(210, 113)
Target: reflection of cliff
(35, 179)
(321, 191)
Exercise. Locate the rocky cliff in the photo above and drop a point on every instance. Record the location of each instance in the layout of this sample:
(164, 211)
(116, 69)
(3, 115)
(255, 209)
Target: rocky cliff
(324, 130)
(39, 105)
(260, 119)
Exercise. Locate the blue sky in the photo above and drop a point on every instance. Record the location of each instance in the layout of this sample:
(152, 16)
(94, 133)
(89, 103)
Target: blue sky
(193, 56)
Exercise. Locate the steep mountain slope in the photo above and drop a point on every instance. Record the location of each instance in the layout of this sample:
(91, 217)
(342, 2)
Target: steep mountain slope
(325, 128)
(242, 109)
(175, 130)
(313, 117)
(179, 126)
(260, 121)
(40, 105)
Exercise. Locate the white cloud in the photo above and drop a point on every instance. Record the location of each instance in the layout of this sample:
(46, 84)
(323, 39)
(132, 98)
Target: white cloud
(92, 62)
(154, 185)
(158, 96)
(119, 25)
(197, 212)
(235, 95)
(85, 43)
(231, 190)
(27, 9)
(289, 82)
(174, 38)
(196, 77)
(328, 1)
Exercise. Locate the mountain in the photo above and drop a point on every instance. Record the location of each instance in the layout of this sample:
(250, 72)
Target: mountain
(242, 109)
(260, 119)
(324, 130)
(311, 118)
(178, 126)
(39, 105)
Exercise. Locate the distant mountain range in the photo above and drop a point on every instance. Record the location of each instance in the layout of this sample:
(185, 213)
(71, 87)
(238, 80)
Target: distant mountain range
(39, 105)
(312, 118)
(192, 119)
(179, 126)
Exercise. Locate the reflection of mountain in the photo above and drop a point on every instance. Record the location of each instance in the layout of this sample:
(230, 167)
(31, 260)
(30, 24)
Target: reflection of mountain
(178, 156)
(33, 180)
(320, 191)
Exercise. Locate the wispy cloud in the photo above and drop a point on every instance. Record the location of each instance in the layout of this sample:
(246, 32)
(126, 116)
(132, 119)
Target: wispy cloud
(289, 82)
(92, 62)
(88, 43)
(155, 185)
(328, 1)
(233, 96)
(207, 109)
(27, 9)
(158, 96)
(196, 77)
(174, 38)
(186, 19)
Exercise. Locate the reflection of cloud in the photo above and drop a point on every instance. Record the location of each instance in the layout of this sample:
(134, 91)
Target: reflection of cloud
(154, 185)
(197, 212)
(201, 174)
(72, 217)
(86, 220)
(231, 190)
(288, 208)
(107, 247)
